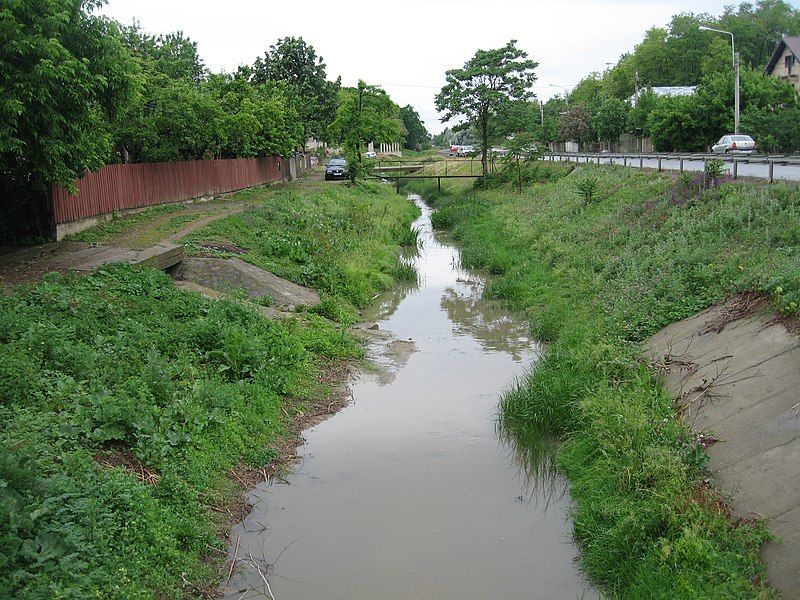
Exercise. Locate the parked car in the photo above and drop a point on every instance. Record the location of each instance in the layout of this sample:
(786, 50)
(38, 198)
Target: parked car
(370, 154)
(735, 144)
(336, 169)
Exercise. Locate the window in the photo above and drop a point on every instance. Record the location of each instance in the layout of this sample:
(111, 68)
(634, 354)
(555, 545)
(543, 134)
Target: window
(788, 62)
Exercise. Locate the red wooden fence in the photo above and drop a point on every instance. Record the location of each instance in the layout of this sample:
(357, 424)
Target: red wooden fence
(120, 187)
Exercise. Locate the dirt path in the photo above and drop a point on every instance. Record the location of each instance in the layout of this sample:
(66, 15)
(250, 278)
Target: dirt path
(736, 373)
(203, 221)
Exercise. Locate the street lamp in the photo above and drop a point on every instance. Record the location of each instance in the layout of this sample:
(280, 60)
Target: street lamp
(736, 74)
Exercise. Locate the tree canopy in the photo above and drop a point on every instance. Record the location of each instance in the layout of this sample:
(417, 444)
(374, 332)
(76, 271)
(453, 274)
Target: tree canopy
(366, 113)
(680, 54)
(65, 73)
(483, 88)
(294, 62)
(417, 137)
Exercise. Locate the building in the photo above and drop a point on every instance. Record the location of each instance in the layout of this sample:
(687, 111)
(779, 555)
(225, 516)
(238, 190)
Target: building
(784, 62)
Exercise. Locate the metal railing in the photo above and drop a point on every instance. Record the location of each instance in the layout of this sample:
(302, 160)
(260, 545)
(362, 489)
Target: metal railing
(678, 161)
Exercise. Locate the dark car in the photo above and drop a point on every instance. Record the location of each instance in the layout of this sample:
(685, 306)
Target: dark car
(336, 169)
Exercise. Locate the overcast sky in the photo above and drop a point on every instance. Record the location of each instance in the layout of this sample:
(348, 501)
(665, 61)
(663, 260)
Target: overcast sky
(406, 46)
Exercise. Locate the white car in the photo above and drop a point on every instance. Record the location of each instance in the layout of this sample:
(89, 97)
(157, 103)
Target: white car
(370, 154)
(734, 143)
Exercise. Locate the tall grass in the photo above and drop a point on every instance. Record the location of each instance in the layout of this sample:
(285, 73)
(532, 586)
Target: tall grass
(597, 276)
(344, 242)
(124, 401)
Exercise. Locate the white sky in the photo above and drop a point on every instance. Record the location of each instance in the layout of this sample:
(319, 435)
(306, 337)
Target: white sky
(406, 46)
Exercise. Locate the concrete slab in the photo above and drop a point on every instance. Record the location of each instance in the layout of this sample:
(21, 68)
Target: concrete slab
(227, 275)
(738, 378)
(29, 264)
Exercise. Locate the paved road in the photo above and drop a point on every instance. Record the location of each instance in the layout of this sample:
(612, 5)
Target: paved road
(759, 170)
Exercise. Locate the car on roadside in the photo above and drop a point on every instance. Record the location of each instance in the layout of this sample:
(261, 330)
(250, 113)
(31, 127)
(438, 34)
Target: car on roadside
(735, 144)
(336, 169)
(370, 155)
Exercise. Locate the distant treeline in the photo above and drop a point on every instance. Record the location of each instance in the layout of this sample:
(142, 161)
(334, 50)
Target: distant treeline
(81, 90)
(601, 107)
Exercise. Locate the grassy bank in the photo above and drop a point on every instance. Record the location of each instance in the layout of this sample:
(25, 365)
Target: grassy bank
(600, 259)
(340, 241)
(125, 402)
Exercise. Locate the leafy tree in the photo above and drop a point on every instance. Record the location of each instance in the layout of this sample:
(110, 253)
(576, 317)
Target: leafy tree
(550, 129)
(174, 120)
(774, 129)
(291, 60)
(64, 72)
(576, 124)
(620, 80)
(520, 125)
(677, 123)
(480, 90)
(758, 28)
(172, 54)
(417, 137)
(639, 113)
(448, 138)
(611, 119)
(365, 113)
(587, 93)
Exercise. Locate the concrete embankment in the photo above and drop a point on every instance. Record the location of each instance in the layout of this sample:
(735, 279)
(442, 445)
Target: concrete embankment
(735, 372)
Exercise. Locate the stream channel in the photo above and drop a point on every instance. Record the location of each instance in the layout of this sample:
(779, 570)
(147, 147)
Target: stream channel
(409, 492)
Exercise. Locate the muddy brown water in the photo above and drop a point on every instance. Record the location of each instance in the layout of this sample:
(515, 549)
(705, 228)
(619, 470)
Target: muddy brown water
(408, 492)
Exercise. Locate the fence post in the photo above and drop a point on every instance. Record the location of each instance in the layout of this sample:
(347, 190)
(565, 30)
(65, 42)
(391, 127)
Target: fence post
(735, 168)
(445, 167)
(659, 165)
(771, 171)
(681, 158)
(705, 165)
(398, 185)
(439, 182)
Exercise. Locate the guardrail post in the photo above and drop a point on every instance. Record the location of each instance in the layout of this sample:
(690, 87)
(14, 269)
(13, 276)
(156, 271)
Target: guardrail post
(610, 160)
(641, 162)
(771, 171)
(681, 159)
(598, 159)
(624, 161)
(735, 168)
(705, 165)
(659, 165)
(398, 184)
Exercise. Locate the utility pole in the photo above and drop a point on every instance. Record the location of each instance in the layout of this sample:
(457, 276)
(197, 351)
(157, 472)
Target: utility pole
(736, 74)
(736, 94)
(541, 107)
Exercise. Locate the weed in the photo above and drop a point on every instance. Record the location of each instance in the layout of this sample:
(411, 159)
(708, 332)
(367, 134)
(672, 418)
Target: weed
(180, 389)
(587, 188)
(597, 278)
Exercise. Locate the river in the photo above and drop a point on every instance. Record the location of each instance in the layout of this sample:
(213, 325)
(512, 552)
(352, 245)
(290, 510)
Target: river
(409, 492)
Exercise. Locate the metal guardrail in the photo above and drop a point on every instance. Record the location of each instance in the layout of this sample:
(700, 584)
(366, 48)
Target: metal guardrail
(631, 159)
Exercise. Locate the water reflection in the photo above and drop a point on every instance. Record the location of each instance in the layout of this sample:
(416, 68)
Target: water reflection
(409, 491)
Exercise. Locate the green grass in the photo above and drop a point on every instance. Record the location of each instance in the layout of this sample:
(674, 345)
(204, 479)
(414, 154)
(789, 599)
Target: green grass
(343, 242)
(119, 225)
(596, 279)
(119, 374)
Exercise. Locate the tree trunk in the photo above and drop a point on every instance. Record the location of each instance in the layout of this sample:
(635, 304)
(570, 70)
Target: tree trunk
(484, 144)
